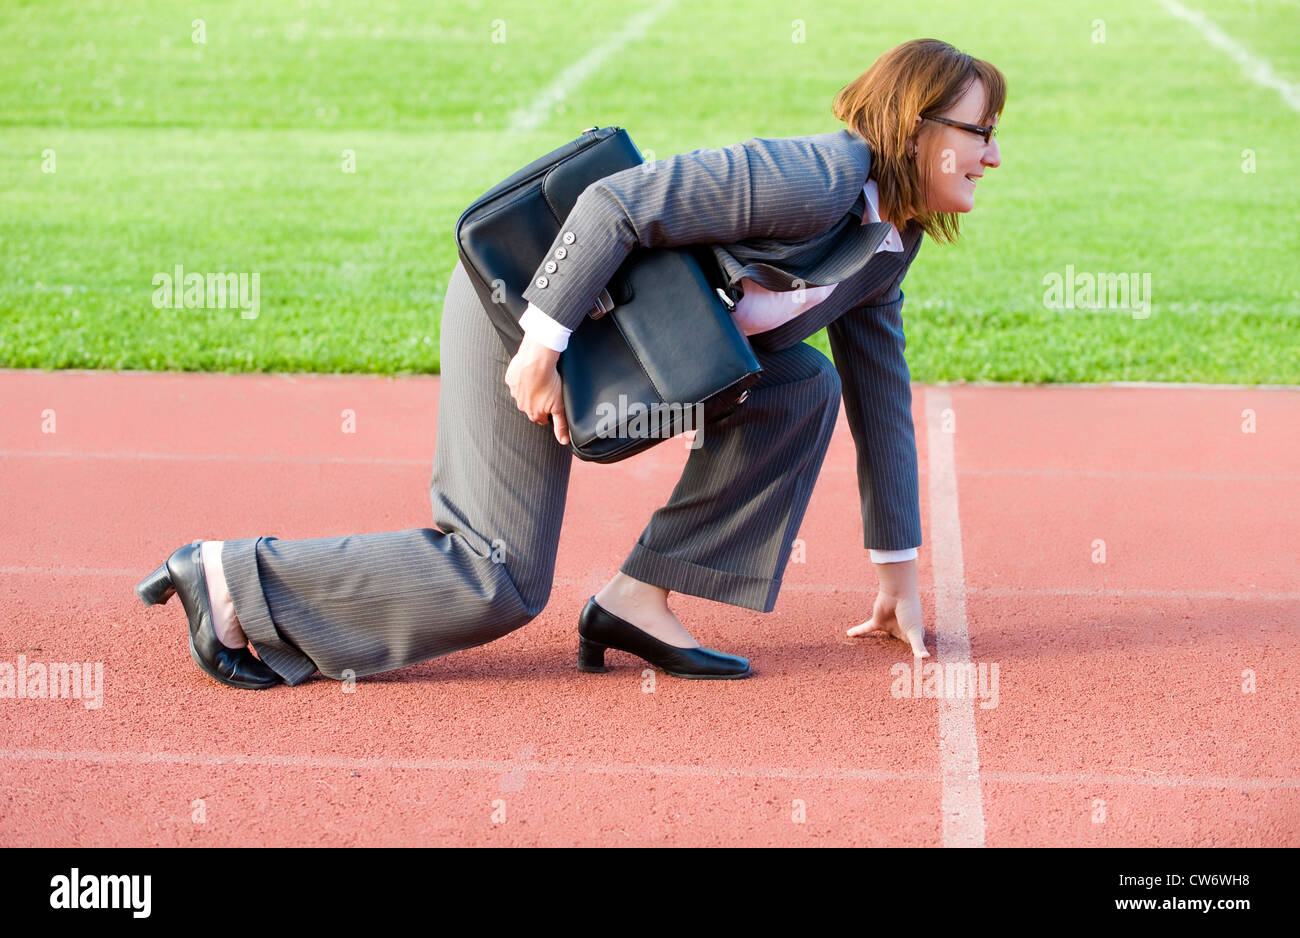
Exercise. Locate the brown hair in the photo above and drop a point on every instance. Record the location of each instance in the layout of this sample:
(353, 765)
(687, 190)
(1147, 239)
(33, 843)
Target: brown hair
(923, 76)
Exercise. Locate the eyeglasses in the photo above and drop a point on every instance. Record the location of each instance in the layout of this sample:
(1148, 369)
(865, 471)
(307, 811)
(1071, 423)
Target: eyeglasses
(986, 132)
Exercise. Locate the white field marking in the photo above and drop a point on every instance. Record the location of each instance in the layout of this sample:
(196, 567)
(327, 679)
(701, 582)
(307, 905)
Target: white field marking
(857, 588)
(496, 766)
(1135, 474)
(293, 377)
(1141, 781)
(1256, 69)
(491, 766)
(68, 571)
(217, 457)
(307, 376)
(1243, 596)
(132, 456)
(963, 802)
(1094, 385)
(517, 777)
(540, 109)
(849, 469)
(1193, 385)
(592, 583)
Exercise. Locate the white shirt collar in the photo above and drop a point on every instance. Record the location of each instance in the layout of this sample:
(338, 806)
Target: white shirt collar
(893, 241)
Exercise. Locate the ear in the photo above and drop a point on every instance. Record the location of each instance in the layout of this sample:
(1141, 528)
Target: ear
(911, 136)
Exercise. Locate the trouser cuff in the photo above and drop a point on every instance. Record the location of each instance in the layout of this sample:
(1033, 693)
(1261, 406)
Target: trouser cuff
(239, 561)
(681, 576)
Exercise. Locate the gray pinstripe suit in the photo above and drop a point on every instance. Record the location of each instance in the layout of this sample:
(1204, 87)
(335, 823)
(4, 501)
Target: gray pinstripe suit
(774, 210)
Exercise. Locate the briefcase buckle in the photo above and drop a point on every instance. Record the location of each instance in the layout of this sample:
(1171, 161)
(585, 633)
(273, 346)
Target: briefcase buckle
(604, 303)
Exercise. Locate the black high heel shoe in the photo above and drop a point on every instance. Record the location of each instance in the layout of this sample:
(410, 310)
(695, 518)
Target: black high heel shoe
(599, 629)
(183, 573)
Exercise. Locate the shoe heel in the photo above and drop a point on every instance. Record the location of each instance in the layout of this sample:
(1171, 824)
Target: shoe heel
(156, 588)
(591, 656)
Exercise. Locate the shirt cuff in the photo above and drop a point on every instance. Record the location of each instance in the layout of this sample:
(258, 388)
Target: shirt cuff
(544, 329)
(892, 556)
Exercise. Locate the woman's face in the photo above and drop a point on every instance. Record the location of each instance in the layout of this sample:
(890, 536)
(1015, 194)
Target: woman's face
(955, 157)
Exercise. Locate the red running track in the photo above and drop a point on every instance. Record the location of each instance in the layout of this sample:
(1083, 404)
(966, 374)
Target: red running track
(1119, 563)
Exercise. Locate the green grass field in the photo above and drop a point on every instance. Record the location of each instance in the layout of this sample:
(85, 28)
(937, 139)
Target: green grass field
(1123, 156)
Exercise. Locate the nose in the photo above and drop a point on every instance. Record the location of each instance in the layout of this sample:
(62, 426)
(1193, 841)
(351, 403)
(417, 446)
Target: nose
(992, 155)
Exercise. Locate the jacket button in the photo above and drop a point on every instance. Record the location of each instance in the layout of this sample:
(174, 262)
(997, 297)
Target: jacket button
(569, 237)
(551, 266)
(542, 282)
(561, 253)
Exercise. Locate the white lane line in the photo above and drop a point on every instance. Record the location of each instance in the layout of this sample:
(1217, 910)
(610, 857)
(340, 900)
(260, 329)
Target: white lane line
(70, 571)
(857, 589)
(963, 801)
(1136, 781)
(218, 457)
(1103, 385)
(491, 766)
(296, 376)
(1135, 474)
(1082, 591)
(292, 377)
(1239, 595)
(587, 584)
(1256, 69)
(1184, 384)
(503, 767)
(540, 108)
(649, 467)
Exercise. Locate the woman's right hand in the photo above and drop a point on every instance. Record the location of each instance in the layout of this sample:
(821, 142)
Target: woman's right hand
(536, 386)
(897, 616)
(897, 610)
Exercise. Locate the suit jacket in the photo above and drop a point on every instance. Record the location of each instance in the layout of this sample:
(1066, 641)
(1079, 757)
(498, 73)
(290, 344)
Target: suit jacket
(783, 212)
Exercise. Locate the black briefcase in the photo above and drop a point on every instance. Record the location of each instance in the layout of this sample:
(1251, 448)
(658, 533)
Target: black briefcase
(657, 354)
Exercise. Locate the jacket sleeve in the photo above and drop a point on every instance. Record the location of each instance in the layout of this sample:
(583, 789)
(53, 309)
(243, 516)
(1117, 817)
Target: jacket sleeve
(782, 188)
(867, 343)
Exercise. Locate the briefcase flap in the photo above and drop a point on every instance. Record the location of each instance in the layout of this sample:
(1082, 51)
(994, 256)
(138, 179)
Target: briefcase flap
(689, 367)
(671, 298)
(504, 234)
(562, 185)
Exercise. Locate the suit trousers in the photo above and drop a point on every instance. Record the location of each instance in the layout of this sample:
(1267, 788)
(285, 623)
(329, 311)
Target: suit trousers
(364, 603)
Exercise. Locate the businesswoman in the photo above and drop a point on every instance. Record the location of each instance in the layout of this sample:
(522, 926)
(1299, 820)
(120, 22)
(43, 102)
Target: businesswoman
(809, 232)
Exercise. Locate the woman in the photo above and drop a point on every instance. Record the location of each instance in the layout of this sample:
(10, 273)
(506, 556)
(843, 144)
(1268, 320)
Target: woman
(920, 133)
